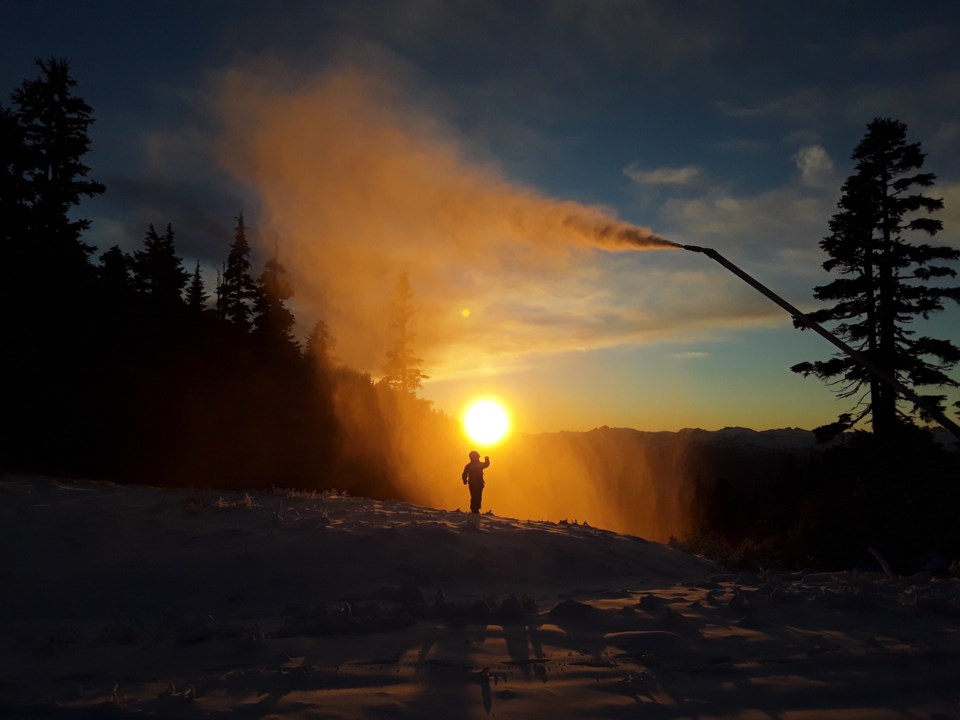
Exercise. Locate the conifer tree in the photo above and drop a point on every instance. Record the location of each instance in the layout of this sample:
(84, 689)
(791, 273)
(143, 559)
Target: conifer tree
(158, 271)
(237, 291)
(886, 282)
(273, 325)
(119, 323)
(54, 124)
(49, 288)
(115, 275)
(13, 186)
(196, 293)
(403, 369)
(319, 348)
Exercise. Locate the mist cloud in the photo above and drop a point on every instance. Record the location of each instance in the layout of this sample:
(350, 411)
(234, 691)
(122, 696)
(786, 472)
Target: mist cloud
(356, 187)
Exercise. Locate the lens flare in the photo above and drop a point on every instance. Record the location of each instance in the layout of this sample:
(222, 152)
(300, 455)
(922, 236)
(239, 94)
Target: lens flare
(486, 421)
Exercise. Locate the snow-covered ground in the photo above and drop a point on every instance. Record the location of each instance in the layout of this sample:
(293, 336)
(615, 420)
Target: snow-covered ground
(119, 601)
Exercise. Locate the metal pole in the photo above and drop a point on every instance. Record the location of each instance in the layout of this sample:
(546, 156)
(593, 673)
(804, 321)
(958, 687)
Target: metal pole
(859, 357)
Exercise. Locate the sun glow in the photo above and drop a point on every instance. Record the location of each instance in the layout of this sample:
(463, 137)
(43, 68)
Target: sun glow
(486, 421)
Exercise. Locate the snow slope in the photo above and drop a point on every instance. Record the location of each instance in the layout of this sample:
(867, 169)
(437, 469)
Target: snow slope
(140, 602)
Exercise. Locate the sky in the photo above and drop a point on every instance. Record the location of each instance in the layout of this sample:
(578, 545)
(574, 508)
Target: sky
(482, 147)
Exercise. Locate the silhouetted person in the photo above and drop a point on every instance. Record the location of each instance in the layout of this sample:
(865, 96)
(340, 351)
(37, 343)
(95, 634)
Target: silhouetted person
(473, 475)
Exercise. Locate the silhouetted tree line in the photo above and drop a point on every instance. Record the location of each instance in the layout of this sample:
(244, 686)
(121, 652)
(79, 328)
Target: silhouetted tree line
(830, 509)
(121, 367)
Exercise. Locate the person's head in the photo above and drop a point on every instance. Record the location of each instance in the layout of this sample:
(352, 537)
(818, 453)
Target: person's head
(474, 455)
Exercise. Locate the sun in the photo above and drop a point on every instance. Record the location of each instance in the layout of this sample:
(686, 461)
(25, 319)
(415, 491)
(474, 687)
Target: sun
(486, 421)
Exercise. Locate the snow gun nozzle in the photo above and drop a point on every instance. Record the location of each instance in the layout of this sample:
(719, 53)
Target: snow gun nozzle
(709, 252)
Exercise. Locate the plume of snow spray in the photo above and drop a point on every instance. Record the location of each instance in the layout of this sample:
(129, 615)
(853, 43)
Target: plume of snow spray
(615, 235)
(355, 187)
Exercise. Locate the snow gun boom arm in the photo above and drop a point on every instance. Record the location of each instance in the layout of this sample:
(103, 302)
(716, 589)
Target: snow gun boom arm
(859, 357)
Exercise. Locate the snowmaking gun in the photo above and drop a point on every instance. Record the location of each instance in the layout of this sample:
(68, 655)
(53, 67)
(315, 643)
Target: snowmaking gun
(857, 356)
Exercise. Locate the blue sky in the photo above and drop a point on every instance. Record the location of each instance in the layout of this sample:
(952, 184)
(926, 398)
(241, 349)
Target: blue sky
(727, 125)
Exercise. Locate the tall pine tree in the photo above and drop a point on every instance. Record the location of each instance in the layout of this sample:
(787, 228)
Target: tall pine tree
(14, 193)
(273, 325)
(115, 275)
(237, 291)
(319, 348)
(54, 124)
(403, 369)
(158, 271)
(49, 285)
(886, 282)
(196, 293)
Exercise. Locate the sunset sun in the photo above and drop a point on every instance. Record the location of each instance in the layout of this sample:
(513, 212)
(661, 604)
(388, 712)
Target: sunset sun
(486, 421)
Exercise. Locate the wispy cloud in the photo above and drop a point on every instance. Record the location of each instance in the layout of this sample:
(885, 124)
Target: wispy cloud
(775, 219)
(664, 175)
(773, 223)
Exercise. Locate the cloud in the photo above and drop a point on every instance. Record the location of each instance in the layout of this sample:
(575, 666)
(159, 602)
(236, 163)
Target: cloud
(769, 221)
(816, 166)
(663, 176)
(783, 223)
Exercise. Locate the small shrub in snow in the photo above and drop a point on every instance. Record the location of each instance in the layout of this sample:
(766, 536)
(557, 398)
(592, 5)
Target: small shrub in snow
(246, 502)
(749, 553)
(310, 494)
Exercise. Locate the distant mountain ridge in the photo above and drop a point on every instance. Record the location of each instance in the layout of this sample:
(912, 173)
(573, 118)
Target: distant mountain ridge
(774, 439)
(660, 483)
